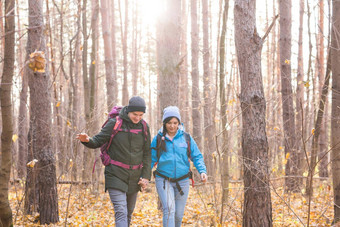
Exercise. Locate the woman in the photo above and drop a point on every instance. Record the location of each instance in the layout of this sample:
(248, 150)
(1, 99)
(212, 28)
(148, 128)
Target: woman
(170, 150)
(130, 170)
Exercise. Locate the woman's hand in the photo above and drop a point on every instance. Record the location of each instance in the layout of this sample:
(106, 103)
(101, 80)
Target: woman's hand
(83, 137)
(204, 177)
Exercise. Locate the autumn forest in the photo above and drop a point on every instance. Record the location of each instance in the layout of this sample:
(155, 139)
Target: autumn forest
(257, 84)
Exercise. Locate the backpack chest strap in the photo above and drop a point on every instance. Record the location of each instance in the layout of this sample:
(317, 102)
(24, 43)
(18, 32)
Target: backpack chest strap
(135, 131)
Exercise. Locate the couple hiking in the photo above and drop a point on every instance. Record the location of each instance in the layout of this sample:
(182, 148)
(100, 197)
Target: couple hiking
(129, 155)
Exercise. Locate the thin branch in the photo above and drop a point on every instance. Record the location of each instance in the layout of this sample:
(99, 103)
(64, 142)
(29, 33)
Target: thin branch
(270, 28)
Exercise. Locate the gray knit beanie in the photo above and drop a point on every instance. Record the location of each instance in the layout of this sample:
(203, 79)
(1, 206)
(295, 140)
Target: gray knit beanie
(171, 111)
(136, 103)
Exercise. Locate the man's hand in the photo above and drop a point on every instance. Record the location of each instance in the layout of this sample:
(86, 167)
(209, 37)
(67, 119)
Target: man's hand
(83, 137)
(143, 183)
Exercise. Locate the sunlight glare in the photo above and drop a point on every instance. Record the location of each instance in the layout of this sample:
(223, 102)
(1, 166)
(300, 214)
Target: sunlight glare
(151, 10)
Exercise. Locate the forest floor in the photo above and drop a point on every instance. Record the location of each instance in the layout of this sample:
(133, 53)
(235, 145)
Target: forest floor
(83, 208)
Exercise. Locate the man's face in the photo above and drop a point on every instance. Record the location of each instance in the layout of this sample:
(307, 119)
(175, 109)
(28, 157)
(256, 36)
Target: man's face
(136, 116)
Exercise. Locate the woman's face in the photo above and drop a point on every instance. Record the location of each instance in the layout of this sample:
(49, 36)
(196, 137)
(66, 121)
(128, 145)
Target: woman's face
(172, 126)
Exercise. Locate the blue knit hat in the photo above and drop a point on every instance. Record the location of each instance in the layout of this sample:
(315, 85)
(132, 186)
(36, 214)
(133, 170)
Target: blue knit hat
(171, 111)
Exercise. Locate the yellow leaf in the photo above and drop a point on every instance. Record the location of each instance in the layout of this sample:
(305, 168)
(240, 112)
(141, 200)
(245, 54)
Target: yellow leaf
(306, 84)
(287, 61)
(58, 104)
(32, 163)
(68, 123)
(94, 62)
(287, 155)
(313, 130)
(14, 138)
(276, 128)
(280, 147)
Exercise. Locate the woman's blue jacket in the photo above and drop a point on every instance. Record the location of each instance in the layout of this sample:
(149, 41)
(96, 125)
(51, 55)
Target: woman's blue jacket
(174, 163)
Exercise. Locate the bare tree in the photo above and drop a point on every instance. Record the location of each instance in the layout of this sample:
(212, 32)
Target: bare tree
(113, 37)
(22, 118)
(6, 114)
(335, 129)
(209, 124)
(223, 111)
(288, 113)
(184, 90)
(323, 140)
(196, 117)
(257, 202)
(41, 179)
(108, 54)
(299, 91)
(168, 49)
(125, 91)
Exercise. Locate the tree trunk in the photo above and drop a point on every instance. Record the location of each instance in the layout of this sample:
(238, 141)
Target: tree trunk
(134, 58)
(6, 218)
(307, 118)
(196, 106)
(335, 126)
(43, 180)
(169, 33)
(86, 171)
(184, 90)
(209, 125)
(223, 111)
(323, 143)
(257, 202)
(56, 96)
(93, 89)
(288, 113)
(22, 118)
(113, 40)
(125, 94)
(299, 94)
(108, 55)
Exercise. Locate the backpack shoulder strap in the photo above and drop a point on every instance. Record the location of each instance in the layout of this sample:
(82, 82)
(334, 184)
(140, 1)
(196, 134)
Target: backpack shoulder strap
(187, 139)
(145, 129)
(115, 129)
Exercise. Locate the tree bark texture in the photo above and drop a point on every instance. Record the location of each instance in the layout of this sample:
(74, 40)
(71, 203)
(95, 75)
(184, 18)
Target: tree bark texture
(209, 124)
(44, 183)
(111, 101)
(169, 33)
(299, 92)
(93, 90)
(288, 114)
(323, 140)
(196, 105)
(184, 90)
(257, 202)
(223, 110)
(23, 128)
(335, 122)
(113, 40)
(6, 217)
(125, 95)
(87, 93)
(22, 118)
